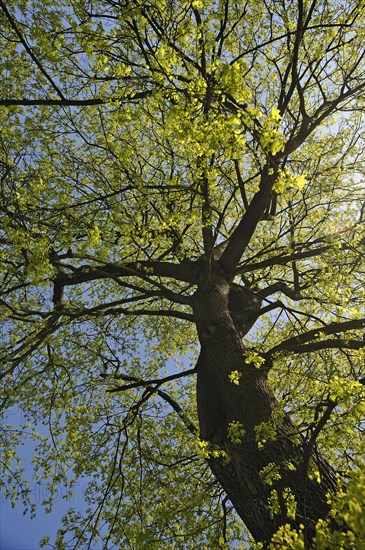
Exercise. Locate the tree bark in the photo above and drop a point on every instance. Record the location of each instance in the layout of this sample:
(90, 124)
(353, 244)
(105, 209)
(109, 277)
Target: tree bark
(251, 402)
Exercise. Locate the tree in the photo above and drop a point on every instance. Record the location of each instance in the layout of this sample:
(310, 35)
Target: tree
(182, 178)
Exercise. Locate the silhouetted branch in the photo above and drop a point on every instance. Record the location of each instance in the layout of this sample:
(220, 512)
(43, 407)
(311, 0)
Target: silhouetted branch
(65, 102)
(296, 343)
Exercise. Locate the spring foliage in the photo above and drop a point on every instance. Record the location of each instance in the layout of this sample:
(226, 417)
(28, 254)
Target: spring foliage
(133, 139)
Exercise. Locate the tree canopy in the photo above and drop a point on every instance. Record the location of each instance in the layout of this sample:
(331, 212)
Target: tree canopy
(182, 178)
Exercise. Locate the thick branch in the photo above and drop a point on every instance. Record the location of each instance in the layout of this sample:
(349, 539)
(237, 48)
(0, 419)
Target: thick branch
(134, 312)
(186, 271)
(246, 227)
(293, 344)
(327, 344)
(64, 102)
(312, 441)
(280, 286)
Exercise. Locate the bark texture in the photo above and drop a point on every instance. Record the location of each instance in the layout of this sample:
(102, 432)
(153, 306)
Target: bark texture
(223, 314)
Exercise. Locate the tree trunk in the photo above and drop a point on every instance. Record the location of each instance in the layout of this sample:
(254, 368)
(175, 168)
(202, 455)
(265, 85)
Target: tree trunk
(263, 503)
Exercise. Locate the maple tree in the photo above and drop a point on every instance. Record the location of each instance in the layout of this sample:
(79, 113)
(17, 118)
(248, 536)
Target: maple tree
(182, 266)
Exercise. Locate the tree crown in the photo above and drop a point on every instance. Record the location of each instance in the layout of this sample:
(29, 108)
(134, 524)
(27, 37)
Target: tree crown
(145, 147)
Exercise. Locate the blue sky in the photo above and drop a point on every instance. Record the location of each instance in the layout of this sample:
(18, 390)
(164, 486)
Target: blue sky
(19, 532)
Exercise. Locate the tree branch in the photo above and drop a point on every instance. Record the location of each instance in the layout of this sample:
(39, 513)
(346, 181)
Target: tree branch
(142, 383)
(180, 411)
(164, 395)
(185, 271)
(29, 50)
(242, 234)
(293, 344)
(135, 312)
(14, 357)
(280, 286)
(327, 344)
(319, 426)
(282, 260)
(64, 102)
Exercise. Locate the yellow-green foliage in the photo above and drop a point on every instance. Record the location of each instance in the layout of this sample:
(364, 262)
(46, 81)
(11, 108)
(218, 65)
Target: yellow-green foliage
(134, 136)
